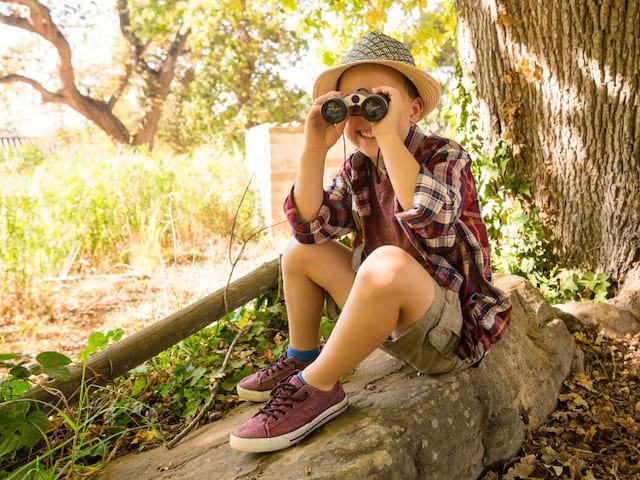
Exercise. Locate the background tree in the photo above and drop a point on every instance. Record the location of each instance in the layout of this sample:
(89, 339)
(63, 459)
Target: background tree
(559, 83)
(427, 28)
(240, 52)
(230, 76)
(156, 66)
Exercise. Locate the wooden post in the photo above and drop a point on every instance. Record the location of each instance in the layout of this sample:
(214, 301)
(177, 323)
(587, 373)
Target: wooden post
(135, 349)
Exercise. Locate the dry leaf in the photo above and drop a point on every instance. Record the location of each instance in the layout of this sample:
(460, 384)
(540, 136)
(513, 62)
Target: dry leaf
(522, 469)
(584, 381)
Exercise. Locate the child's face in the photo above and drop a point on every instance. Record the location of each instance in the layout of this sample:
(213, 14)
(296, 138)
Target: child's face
(360, 131)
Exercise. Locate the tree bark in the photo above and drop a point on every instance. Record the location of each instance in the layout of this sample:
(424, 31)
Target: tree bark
(162, 87)
(560, 82)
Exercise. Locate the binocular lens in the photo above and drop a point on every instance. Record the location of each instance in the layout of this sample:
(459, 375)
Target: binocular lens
(333, 110)
(374, 108)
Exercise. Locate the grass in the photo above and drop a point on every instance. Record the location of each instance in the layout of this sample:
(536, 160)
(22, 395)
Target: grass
(90, 208)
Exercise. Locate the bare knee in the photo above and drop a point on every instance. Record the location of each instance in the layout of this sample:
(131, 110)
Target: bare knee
(313, 256)
(385, 270)
(382, 268)
(295, 255)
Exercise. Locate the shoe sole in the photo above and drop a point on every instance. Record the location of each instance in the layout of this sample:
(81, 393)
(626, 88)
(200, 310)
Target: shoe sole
(262, 445)
(253, 395)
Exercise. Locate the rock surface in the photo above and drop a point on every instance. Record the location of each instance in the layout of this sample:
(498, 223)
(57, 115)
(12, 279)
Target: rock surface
(400, 425)
(628, 298)
(607, 318)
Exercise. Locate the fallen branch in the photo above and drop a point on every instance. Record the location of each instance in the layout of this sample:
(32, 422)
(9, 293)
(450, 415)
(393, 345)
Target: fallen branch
(139, 347)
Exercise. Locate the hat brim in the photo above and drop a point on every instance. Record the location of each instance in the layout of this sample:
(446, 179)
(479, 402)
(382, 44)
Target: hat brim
(428, 88)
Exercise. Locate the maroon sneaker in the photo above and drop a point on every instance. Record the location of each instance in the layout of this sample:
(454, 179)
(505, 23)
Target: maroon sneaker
(294, 411)
(257, 386)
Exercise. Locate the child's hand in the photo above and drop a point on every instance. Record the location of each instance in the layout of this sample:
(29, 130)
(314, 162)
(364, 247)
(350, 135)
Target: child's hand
(393, 123)
(319, 136)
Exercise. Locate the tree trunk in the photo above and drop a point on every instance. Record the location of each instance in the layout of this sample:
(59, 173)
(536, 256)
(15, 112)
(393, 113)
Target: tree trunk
(559, 82)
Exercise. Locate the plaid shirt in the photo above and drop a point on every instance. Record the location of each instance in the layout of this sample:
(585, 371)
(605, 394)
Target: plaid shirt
(444, 225)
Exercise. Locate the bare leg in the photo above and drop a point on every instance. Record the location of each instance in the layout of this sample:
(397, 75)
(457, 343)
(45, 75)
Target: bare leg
(309, 270)
(391, 291)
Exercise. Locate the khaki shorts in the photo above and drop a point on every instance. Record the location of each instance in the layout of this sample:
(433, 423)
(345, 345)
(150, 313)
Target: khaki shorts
(429, 345)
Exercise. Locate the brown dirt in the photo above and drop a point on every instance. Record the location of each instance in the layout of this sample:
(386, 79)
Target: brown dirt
(72, 308)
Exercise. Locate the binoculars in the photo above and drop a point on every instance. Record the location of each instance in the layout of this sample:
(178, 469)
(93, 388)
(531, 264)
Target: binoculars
(372, 106)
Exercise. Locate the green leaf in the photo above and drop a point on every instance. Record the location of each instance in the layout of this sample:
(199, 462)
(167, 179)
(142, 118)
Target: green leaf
(34, 429)
(19, 388)
(19, 429)
(96, 341)
(191, 408)
(9, 356)
(237, 363)
(60, 373)
(19, 372)
(52, 359)
(115, 334)
(197, 374)
(13, 414)
(138, 386)
(8, 443)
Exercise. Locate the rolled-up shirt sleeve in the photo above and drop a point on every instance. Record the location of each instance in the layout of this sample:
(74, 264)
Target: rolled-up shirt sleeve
(334, 219)
(438, 196)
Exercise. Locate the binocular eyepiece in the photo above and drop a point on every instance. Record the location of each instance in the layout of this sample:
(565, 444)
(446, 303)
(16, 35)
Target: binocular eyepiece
(372, 106)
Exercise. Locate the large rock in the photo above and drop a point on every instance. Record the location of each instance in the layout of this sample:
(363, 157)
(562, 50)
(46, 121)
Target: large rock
(401, 425)
(607, 318)
(628, 298)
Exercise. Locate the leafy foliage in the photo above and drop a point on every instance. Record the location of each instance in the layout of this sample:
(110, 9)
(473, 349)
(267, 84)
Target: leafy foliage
(98, 341)
(428, 30)
(238, 53)
(21, 368)
(228, 78)
(21, 426)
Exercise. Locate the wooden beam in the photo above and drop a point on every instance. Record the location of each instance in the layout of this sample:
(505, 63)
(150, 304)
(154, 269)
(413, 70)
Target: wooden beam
(139, 347)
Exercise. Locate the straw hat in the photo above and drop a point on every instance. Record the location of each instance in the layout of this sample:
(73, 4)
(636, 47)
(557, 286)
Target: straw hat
(378, 48)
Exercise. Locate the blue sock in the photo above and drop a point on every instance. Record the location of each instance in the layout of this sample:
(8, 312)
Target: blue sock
(302, 380)
(302, 355)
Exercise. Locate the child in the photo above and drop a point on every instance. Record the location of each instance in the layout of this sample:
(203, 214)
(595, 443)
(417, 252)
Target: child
(417, 282)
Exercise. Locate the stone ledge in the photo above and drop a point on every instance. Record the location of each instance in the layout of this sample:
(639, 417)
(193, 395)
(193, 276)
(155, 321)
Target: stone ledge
(401, 425)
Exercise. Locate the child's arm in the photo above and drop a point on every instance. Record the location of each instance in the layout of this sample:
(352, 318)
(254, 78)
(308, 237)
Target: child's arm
(334, 218)
(402, 168)
(439, 192)
(319, 137)
(428, 201)
(314, 214)
(390, 133)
